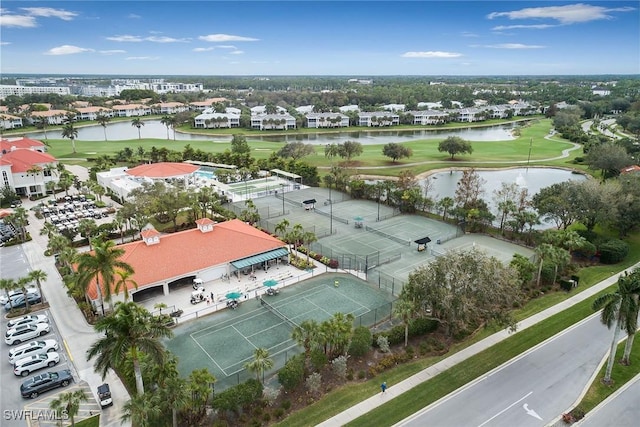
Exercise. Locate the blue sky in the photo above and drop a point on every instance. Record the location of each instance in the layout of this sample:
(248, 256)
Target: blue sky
(364, 38)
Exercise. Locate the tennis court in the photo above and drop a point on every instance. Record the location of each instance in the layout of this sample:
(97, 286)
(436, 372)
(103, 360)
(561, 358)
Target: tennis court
(225, 341)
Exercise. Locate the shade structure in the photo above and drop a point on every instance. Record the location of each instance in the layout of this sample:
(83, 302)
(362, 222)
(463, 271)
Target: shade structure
(233, 295)
(270, 283)
(257, 259)
(422, 241)
(358, 218)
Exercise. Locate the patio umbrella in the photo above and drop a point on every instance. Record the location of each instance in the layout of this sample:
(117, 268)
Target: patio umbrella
(233, 295)
(270, 283)
(358, 218)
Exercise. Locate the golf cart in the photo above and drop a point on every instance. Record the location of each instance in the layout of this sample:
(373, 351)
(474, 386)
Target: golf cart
(197, 283)
(198, 295)
(272, 292)
(104, 395)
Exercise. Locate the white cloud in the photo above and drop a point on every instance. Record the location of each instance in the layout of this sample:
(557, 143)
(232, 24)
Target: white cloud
(67, 50)
(48, 12)
(226, 46)
(431, 54)
(510, 46)
(526, 27)
(568, 14)
(468, 34)
(112, 51)
(203, 49)
(237, 52)
(126, 38)
(17, 20)
(4, 43)
(141, 58)
(226, 38)
(164, 39)
(133, 16)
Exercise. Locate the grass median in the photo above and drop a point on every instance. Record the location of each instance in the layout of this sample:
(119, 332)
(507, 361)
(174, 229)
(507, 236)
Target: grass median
(466, 371)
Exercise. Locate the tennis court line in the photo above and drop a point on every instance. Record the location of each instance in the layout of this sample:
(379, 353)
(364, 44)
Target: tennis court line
(207, 353)
(242, 335)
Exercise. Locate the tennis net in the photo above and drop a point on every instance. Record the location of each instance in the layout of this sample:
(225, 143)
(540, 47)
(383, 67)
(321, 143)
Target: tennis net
(388, 236)
(277, 313)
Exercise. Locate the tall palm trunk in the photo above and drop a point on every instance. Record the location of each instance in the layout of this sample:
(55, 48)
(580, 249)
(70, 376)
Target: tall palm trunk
(627, 349)
(137, 371)
(612, 352)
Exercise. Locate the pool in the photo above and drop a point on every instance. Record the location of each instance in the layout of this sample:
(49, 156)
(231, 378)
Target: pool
(205, 174)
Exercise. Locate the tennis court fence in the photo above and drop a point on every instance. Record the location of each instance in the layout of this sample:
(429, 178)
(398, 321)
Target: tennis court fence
(329, 215)
(264, 212)
(385, 281)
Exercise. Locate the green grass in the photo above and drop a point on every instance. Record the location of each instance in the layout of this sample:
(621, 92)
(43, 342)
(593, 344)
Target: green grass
(620, 374)
(89, 422)
(461, 374)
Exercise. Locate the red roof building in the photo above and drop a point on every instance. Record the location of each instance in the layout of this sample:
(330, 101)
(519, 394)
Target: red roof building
(25, 167)
(163, 170)
(207, 252)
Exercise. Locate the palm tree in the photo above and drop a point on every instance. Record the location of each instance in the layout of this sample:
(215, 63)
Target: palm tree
(261, 362)
(38, 276)
(19, 220)
(103, 120)
(22, 284)
(87, 227)
(48, 229)
(308, 238)
(8, 285)
(69, 131)
(143, 410)
(620, 311)
(543, 252)
(101, 265)
(130, 330)
(405, 309)
(166, 120)
(295, 236)
(123, 282)
(69, 404)
(631, 333)
(34, 171)
(137, 122)
(281, 227)
(160, 306)
(307, 335)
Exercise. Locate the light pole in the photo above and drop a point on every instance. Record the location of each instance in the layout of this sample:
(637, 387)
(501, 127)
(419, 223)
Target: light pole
(282, 185)
(529, 156)
(379, 194)
(330, 211)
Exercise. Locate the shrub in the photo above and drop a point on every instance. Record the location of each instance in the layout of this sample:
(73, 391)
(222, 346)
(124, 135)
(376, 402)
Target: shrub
(292, 373)
(360, 342)
(333, 263)
(361, 374)
(286, 405)
(279, 412)
(314, 382)
(383, 343)
(318, 359)
(421, 326)
(270, 395)
(613, 251)
(339, 365)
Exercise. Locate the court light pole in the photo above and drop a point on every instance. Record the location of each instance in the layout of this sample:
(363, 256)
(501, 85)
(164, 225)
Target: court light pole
(330, 211)
(282, 185)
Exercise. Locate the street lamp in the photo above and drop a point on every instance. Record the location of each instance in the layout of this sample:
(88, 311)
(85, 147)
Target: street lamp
(379, 194)
(282, 185)
(529, 157)
(330, 211)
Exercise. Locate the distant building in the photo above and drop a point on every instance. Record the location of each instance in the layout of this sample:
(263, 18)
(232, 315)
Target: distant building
(378, 119)
(327, 120)
(8, 90)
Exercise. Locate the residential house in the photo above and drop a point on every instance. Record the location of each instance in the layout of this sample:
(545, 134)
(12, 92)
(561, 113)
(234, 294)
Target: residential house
(394, 107)
(470, 115)
(429, 117)
(53, 117)
(327, 120)
(216, 120)
(378, 119)
(207, 103)
(347, 108)
(170, 108)
(273, 122)
(8, 121)
(92, 113)
(131, 110)
(600, 91)
(26, 170)
(305, 109)
(262, 109)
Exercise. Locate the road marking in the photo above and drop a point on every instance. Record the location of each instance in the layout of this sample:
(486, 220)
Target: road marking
(531, 411)
(68, 351)
(507, 408)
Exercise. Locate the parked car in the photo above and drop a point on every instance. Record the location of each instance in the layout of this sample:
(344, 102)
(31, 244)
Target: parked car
(28, 319)
(24, 333)
(31, 348)
(16, 293)
(26, 365)
(38, 384)
(104, 395)
(19, 302)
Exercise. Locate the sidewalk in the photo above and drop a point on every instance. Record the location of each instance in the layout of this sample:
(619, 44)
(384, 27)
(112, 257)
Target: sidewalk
(396, 390)
(76, 333)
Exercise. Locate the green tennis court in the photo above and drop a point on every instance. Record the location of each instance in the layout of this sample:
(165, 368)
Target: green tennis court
(225, 341)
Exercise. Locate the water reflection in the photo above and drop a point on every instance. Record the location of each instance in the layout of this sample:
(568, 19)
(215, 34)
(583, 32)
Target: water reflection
(154, 129)
(443, 184)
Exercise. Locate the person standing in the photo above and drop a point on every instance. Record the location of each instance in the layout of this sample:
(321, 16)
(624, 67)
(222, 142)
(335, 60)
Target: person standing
(383, 386)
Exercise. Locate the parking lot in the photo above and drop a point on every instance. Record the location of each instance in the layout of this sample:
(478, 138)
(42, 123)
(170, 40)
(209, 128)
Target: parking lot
(66, 214)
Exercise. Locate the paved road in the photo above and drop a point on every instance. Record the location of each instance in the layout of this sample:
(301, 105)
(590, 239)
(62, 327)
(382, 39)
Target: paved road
(530, 390)
(72, 326)
(621, 409)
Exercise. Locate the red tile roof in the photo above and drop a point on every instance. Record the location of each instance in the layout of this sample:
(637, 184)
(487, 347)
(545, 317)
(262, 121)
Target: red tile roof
(22, 159)
(163, 170)
(186, 252)
(631, 169)
(6, 144)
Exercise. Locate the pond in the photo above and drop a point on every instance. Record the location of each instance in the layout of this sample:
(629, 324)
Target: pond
(154, 129)
(444, 184)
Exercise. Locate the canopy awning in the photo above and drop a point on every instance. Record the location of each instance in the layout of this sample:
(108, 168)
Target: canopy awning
(422, 241)
(257, 259)
(309, 202)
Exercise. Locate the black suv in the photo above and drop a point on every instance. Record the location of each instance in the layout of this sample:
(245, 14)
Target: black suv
(44, 382)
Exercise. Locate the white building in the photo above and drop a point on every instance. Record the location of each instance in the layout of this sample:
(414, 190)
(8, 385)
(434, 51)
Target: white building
(7, 90)
(378, 119)
(216, 120)
(429, 117)
(25, 167)
(273, 122)
(327, 120)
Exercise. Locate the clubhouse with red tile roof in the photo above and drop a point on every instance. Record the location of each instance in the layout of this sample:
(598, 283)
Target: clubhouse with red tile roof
(25, 166)
(208, 252)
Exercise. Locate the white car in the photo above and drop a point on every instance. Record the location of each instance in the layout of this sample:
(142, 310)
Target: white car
(26, 365)
(24, 333)
(14, 293)
(27, 320)
(32, 348)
